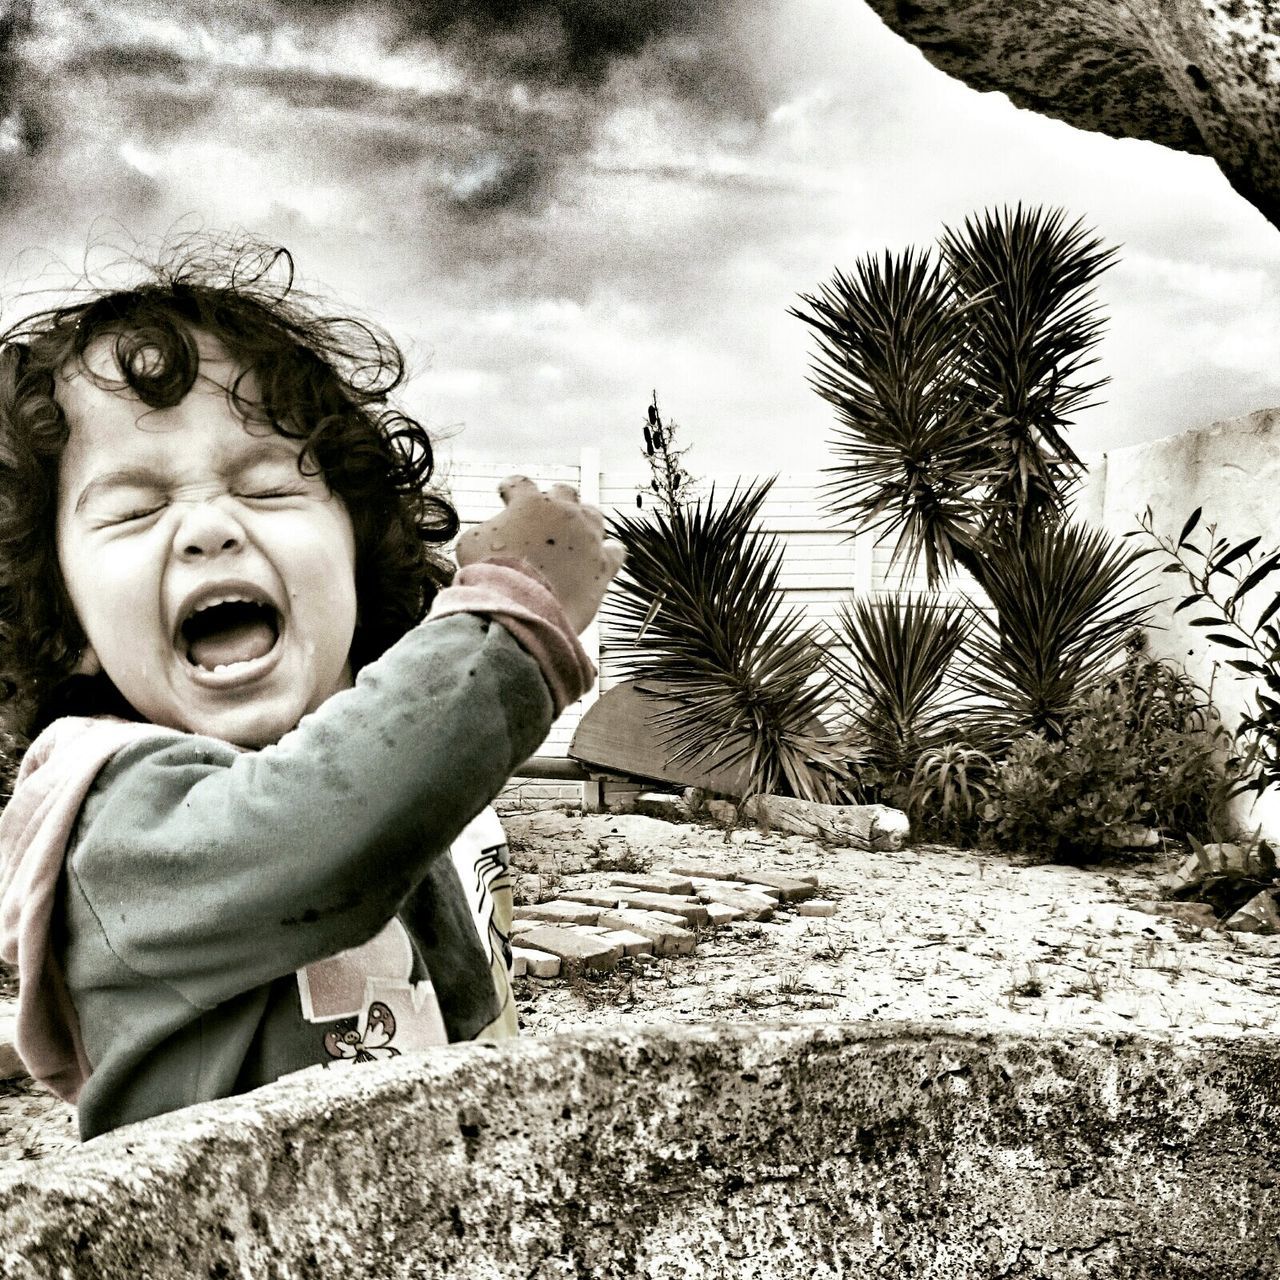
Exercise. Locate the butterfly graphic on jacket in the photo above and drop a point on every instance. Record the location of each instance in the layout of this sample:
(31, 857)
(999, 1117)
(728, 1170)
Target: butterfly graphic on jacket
(345, 1041)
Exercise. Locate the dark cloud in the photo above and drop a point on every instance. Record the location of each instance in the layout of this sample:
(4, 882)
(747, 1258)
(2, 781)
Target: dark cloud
(538, 78)
(569, 42)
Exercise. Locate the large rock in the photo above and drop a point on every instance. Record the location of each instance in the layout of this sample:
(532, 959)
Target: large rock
(1196, 75)
(800, 1153)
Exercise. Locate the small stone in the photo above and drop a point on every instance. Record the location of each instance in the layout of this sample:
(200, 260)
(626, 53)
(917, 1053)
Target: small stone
(719, 913)
(537, 964)
(691, 911)
(670, 937)
(756, 906)
(586, 949)
(792, 888)
(632, 943)
(653, 882)
(559, 911)
(1258, 915)
(815, 907)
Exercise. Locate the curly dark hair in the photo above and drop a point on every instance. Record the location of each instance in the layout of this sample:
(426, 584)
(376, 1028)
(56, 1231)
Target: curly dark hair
(321, 379)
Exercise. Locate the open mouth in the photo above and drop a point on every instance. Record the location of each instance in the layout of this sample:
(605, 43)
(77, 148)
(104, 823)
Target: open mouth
(221, 635)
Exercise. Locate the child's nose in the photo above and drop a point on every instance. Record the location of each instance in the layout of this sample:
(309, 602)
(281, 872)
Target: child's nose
(207, 529)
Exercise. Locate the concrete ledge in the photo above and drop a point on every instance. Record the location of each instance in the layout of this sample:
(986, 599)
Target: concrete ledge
(725, 1151)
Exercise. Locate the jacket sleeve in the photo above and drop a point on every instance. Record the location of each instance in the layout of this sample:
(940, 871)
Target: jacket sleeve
(214, 870)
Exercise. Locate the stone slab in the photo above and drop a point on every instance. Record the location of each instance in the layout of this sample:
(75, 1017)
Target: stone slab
(670, 937)
(559, 911)
(652, 881)
(756, 906)
(573, 947)
(705, 869)
(537, 964)
(690, 910)
(591, 897)
(762, 890)
(719, 913)
(792, 888)
(632, 943)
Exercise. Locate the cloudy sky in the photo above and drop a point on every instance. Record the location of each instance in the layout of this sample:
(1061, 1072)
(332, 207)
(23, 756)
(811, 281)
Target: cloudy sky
(557, 208)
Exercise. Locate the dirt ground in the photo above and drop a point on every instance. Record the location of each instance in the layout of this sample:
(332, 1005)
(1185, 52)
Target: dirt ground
(926, 934)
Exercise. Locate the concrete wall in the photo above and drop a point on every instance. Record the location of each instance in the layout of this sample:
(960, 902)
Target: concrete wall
(1232, 470)
(717, 1151)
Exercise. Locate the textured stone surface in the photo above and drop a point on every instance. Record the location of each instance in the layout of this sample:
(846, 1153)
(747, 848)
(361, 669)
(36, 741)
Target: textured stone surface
(711, 1152)
(1197, 75)
(10, 1063)
(585, 949)
(756, 905)
(537, 964)
(691, 911)
(788, 888)
(670, 937)
(559, 911)
(653, 882)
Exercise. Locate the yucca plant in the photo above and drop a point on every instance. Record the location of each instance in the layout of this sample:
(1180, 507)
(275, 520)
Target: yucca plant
(1063, 599)
(953, 382)
(901, 651)
(698, 611)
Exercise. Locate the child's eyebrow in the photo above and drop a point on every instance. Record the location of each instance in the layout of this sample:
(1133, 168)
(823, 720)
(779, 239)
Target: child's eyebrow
(122, 478)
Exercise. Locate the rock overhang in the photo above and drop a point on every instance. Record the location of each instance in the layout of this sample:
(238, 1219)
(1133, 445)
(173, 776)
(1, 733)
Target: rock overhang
(1201, 76)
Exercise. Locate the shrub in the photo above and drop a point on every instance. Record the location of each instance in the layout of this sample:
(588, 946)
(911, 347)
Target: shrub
(1142, 750)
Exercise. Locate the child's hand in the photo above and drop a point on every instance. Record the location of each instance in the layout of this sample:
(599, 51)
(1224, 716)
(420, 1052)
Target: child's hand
(562, 539)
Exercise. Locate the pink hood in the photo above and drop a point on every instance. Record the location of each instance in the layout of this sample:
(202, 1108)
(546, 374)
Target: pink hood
(56, 774)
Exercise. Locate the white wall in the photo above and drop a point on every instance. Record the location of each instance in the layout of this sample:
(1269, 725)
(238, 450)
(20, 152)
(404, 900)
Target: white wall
(1232, 470)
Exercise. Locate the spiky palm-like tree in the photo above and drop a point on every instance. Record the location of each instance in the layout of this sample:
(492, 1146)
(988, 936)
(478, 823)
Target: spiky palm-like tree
(896, 681)
(954, 381)
(748, 679)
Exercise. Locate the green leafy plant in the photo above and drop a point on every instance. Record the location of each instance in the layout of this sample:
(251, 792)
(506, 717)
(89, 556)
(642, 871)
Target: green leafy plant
(1238, 617)
(698, 611)
(1142, 749)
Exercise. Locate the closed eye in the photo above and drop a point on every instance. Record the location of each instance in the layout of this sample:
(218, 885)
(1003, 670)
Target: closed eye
(141, 513)
(264, 495)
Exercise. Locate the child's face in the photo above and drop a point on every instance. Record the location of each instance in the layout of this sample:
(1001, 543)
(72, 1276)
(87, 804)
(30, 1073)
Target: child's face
(164, 513)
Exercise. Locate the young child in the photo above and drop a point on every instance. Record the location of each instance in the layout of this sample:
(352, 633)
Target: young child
(251, 834)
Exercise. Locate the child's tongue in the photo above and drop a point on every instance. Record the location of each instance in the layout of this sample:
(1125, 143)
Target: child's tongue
(240, 642)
